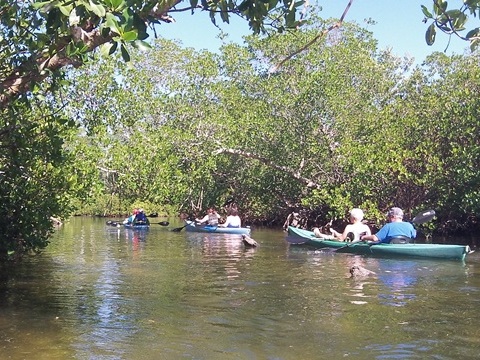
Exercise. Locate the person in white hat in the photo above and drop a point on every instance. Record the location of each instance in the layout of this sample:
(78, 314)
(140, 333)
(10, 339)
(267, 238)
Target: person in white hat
(395, 231)
(357, 228)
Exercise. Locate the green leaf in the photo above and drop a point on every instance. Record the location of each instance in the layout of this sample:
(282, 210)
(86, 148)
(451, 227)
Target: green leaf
(125, 54)
(105, 49)
(272, 4)
(439, 7)
(130, 35)
(224, 12)
(141, 45)
(45, 6)
(474, 44)
(458, 19)
(113, 48)
(426, 12)
(139, 24)
(112, 23)
(430, 35)
(98, 10)
(118, 4)
(290, 19)
(473, 33)
(66, 9)
(244, 6)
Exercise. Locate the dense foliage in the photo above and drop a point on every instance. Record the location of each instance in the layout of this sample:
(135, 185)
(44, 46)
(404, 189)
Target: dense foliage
(322, 134)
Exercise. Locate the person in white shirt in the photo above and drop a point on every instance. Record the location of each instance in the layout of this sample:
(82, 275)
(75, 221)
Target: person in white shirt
(233, 220)
(357, 228)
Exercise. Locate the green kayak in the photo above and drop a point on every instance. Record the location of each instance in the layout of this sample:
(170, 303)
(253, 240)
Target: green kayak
(437, 251)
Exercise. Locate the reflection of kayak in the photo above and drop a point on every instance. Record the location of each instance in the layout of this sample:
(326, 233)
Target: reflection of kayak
(190, 226)
(437, 251)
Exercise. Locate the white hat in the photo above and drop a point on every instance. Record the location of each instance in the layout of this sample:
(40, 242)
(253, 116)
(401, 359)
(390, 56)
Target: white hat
(357, 214)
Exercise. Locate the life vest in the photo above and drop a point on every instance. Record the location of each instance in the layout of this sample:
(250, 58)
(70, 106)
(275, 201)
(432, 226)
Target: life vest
(213, 219)
(141, 218)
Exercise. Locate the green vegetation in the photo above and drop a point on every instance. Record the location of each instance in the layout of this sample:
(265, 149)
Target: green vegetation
(322, 134)
(172, 130)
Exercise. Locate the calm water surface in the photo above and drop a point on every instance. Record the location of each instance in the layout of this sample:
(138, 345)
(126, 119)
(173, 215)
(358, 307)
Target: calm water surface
(107, 293)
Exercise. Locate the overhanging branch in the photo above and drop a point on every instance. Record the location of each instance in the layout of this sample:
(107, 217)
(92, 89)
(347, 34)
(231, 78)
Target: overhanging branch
(337, 25)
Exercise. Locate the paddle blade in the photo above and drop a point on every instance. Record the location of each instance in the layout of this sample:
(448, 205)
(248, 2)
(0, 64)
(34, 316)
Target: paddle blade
(179, 228)
(164, 223)
(113, 223)
(424, 216)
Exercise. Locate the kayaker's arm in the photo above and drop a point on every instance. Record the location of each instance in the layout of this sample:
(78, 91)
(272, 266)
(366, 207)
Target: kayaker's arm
(369, 238)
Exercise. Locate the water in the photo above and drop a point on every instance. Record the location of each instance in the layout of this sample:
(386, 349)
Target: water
(107, 293)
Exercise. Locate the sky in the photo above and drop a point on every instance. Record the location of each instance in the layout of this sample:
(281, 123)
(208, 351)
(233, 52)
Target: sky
(398, 27)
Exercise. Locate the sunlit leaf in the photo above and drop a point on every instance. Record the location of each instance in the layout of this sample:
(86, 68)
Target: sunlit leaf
(97, 9)
(129, 35)
(112, 23)
(74, 17)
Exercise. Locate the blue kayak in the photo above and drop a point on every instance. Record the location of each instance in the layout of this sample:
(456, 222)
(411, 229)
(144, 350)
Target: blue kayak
(190, 226)
(137, 226)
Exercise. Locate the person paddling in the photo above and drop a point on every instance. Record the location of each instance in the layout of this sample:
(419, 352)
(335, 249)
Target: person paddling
(396, 231)
(211, 218)
(141, 218)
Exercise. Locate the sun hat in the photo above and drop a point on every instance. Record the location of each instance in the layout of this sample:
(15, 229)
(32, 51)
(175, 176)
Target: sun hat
(357, 214)
(395, 211)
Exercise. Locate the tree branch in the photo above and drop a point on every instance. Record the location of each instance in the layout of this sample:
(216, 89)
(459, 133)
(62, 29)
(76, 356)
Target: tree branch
(337, 25)
(295, 174)
(42, 64)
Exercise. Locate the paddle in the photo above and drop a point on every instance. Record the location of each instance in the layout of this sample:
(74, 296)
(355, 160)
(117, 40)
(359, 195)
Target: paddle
(420, 218)
(180, 228)
(113, 223)
(424, 217)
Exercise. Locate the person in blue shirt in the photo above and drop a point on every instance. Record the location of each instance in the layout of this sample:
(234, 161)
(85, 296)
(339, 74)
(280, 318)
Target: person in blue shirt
(141, 218)
(395, 231)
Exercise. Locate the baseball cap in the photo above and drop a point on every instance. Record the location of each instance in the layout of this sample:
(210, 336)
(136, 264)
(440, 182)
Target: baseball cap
(395, 211)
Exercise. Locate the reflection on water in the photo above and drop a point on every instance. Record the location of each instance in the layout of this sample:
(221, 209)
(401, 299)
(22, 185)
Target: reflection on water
(399, 278)
(108, 293)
